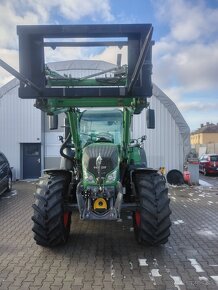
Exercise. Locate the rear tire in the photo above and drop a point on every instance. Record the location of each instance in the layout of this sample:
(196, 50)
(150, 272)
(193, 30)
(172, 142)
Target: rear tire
(51, 223)
(151, 220)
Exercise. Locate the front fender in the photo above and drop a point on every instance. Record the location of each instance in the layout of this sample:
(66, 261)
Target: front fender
(57, 171)
(136, 169)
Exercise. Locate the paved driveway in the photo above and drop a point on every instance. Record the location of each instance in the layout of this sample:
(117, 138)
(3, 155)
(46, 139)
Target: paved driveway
(212, 180)
(104, 255)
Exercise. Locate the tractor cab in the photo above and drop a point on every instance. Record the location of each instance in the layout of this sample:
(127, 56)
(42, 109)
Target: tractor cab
(101, 126)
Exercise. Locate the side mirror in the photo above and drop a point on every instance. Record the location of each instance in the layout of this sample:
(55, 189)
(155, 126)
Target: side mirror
(150, 119)
(53, 122)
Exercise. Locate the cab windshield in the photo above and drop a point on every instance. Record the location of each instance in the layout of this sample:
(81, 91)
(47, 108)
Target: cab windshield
(101, 126)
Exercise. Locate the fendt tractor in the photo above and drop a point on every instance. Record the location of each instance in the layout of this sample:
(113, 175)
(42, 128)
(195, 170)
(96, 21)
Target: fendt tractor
(103, 171)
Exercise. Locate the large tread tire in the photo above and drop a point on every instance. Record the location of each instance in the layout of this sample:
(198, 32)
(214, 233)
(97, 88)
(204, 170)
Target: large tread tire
(51, 224)
(151, 220)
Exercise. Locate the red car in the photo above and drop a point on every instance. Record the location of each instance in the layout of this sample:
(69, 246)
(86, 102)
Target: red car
(208, 163)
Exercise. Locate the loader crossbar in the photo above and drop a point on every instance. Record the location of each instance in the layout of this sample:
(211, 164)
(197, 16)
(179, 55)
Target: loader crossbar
(135, 82)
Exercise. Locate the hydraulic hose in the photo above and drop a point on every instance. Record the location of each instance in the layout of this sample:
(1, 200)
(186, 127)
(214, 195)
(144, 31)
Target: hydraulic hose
(63, 146)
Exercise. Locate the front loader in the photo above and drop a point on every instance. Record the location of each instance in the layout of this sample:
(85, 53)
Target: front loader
(103, 171)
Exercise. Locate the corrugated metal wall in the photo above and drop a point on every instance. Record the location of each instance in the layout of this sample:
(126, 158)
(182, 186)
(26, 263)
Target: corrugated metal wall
(20, 122)
(52, 143)
(164, 144)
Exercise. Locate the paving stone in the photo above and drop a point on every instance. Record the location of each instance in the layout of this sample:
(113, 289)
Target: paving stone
(104, 255)
(52, 287)
(38, 281)
(66, 285)
(45, 285)
(78, 281)
(26, 285)
(12, 288)
(96, 287)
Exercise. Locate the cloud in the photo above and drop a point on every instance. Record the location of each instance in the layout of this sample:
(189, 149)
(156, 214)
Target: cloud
(8, 21)
(62, 54)
(186, 58)
(188, 21)
(193, 66)
(197, 112)
(199, 106)
(13, 12)
(110, 55)
(10, 56)
(175, 93)
(196, 119)
(23, 12)
(77, 9)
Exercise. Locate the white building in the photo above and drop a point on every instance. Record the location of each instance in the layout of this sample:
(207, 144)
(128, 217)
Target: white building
(30, 147)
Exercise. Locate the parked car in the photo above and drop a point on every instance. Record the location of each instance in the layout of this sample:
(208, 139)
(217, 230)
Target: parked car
(5, 174)
(208, 163)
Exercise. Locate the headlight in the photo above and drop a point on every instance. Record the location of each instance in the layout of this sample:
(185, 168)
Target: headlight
(89, 178)
(111, 177)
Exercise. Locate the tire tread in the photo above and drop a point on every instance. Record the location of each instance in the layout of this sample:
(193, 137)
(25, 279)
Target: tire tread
(48, 227)
(154, 208)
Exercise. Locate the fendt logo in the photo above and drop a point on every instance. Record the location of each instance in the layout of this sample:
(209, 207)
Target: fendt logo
(99, 162)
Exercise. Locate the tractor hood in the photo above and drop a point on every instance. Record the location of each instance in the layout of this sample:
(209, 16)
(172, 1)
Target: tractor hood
(100, 160)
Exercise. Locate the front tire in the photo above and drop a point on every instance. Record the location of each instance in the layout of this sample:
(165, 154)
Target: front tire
(51, 223)
(151, 220)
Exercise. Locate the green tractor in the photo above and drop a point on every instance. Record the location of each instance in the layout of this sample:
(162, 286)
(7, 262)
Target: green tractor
(103, 171)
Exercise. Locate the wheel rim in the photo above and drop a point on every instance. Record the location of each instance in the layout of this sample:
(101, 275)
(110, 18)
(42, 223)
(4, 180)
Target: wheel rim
(66, 219)
(138, 218)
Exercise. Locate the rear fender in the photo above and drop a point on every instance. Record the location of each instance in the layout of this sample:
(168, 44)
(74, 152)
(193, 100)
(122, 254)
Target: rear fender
(137, 156)
(136, 170)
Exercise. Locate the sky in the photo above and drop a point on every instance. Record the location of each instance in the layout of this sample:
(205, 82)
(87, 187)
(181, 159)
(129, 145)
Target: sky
(185, 54)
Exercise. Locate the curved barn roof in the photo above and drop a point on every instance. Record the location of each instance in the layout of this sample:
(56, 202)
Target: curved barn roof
(176, 115)
(77, 68)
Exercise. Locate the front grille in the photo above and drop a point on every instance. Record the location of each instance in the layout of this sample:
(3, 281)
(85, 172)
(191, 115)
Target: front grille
(108, 153)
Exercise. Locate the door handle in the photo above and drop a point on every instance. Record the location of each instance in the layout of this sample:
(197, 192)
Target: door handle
(38, 160)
